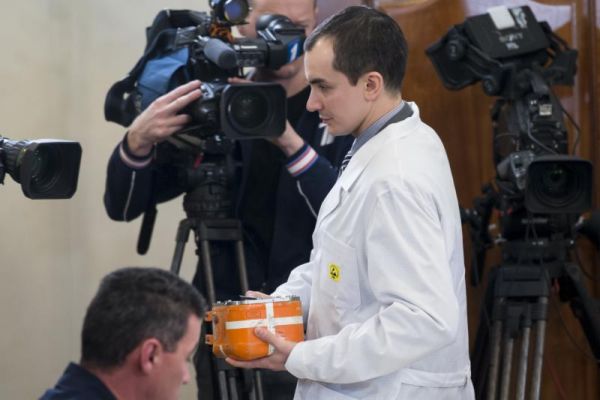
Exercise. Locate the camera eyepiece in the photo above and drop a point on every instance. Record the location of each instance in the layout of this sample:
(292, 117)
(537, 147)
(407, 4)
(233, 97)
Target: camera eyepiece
(231, 11)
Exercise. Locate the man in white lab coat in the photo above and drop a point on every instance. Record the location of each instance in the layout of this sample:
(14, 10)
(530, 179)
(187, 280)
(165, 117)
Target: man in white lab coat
(384, 290)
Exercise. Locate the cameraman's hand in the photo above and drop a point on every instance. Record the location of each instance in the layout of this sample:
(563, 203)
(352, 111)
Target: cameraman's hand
(289, 142)
(161, 119)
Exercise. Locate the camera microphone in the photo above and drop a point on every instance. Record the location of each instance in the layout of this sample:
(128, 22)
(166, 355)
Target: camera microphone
(220, 53)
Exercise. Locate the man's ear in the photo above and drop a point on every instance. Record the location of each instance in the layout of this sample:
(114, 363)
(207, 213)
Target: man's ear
(150, 354)
(373, 85)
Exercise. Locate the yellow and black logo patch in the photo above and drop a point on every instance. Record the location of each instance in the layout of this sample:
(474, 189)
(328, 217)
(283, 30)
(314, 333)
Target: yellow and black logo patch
(334, 272)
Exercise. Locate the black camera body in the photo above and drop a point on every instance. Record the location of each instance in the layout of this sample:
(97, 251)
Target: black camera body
(517, 59)
(184, 45)
(502, 58)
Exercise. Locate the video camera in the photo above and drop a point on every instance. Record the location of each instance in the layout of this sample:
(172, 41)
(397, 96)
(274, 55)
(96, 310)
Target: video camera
(185, 45)
(517, 59)
(45, 168)
(540, 192)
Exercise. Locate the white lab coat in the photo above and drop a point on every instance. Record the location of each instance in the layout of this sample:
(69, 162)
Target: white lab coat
(384, 289)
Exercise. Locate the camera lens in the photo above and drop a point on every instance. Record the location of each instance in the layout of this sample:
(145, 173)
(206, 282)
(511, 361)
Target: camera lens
(44, 166)
(249, 109)
(556, 181)
(559, 185)
(253, 110)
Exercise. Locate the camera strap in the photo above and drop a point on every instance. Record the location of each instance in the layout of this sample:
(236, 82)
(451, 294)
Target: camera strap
(166, 35)
(148, 220)
(147, 228)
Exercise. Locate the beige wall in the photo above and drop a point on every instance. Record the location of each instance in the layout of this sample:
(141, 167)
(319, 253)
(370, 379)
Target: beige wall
(58, 58)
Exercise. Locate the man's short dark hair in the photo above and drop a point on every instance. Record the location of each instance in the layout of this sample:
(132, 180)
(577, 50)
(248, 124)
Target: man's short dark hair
(364, 40)
(134, 304)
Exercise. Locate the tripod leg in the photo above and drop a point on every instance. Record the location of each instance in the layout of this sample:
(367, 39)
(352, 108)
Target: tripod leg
(223, 385)
(506, 366)
(522, 370)
(183, 231)
(229, 231)
(208, 271)
(225, 382)
(496, 335)
(538, 355)
(258, 385)
(257, 391)
(232, 385)
(585, 308)
(241, 262)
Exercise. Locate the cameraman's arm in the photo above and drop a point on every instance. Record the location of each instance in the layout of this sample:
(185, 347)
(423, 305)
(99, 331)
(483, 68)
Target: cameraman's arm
(314, 173)
(289, 142)
(162, 118)
(130, 182)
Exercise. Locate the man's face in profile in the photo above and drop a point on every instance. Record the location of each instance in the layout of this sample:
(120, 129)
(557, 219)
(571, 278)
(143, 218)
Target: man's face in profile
(341, 105)
(300, 12)
(174, 367)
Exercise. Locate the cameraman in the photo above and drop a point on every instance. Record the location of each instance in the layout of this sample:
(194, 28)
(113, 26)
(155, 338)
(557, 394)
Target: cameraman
(279, 185)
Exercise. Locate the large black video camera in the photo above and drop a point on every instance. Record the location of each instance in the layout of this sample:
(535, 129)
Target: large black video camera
(183, 45)
(45, 168)
(540, 192)
(517, 59)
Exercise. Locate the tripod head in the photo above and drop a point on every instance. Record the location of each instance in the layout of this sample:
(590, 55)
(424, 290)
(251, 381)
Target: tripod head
(205, 172)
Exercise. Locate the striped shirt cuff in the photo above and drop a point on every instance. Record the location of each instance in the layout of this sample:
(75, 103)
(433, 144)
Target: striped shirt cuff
(131, 160)
(302, 160)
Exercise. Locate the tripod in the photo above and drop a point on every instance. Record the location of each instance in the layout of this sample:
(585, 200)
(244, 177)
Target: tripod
(203, 206)
(518, 296)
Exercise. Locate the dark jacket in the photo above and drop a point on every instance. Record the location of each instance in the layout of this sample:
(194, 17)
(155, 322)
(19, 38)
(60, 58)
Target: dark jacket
(297, 202)
(77, 383)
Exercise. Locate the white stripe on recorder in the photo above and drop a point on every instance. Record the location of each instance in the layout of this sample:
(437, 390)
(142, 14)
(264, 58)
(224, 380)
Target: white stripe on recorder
(253, 323)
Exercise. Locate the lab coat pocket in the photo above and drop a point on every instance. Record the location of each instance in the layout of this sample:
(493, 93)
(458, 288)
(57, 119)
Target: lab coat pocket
(339, 277)
(417, 384)
(315, 390)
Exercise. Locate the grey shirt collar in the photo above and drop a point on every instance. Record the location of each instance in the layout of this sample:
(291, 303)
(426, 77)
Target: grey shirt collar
(377, 126)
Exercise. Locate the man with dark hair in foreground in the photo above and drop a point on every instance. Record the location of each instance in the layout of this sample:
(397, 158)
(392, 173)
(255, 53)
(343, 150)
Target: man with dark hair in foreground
(139, 334)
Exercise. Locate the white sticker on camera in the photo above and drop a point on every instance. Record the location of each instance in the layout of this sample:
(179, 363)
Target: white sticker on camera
(501, 17)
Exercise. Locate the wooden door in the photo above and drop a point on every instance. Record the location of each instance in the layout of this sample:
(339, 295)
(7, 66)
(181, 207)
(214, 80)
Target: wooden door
(462, 119)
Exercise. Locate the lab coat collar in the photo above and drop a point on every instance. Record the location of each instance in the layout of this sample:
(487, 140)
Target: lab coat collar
(363, 156)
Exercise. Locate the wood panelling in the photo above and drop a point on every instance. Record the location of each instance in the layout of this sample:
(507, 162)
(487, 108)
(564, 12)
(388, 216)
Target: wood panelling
(462, 120)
